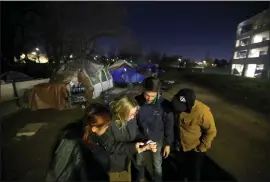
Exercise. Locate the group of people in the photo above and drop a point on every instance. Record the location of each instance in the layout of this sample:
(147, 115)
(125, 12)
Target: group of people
(111, 140)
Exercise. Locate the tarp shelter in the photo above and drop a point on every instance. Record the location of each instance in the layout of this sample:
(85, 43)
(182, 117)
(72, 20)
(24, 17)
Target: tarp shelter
(123, 72)
(83, 78)
(120, 63)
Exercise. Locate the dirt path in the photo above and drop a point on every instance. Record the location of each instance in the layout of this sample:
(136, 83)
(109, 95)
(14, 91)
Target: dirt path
(242, 146)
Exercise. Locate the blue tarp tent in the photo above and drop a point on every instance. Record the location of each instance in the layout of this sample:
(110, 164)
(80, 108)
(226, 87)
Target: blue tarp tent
(126, 75)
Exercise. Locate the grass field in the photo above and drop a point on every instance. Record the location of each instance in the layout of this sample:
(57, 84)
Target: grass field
(253, 93)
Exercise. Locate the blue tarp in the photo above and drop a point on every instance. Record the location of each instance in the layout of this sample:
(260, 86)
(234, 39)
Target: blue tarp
(126, 75)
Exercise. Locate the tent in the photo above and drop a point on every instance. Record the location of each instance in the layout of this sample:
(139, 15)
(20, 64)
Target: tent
(123, 72)
(76, 82)
(120, 63)
(126, 75)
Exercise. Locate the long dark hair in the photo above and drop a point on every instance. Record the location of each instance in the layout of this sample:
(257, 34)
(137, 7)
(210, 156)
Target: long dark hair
(77, 128)
(96, 115)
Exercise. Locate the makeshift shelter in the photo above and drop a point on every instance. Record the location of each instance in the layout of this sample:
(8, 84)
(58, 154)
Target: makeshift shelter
(123, 72)
(84, 80)
(119, 64)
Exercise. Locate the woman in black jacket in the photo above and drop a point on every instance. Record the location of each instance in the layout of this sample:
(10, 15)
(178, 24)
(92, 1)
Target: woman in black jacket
(123, 128)
(79, 155)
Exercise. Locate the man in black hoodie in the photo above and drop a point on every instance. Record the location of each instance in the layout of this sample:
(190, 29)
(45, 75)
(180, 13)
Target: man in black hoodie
(195, 130)
(155, 120)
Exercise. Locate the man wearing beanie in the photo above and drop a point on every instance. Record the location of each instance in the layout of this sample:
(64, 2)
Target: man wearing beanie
(155, 121)
(196, 130)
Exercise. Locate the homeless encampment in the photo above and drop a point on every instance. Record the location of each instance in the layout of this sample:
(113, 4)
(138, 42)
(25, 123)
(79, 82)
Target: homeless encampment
(76, 82)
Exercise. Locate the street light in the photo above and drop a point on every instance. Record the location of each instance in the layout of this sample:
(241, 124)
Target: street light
(179, 59)
(37, 49)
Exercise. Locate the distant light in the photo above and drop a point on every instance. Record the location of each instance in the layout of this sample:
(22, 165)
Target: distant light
(71, 56)
(125, 69)
(34, 53)
(22, 56)
(204, 62)
(37, 49)
(179, 60)
(131, 61)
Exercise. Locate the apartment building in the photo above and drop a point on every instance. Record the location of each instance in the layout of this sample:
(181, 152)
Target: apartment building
(252, 47)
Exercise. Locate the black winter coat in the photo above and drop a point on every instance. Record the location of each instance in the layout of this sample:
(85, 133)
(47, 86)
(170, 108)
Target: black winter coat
(121, 145)
(74, 160)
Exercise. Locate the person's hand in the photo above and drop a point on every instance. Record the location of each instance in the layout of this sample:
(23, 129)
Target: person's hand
(141, 147)
(153, 147)
(166, 151)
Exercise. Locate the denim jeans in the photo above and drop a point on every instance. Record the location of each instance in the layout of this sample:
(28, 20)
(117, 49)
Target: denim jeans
(157, 164)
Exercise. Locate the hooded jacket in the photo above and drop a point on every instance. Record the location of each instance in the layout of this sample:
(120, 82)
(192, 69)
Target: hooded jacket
(156, 120)
(196, 126)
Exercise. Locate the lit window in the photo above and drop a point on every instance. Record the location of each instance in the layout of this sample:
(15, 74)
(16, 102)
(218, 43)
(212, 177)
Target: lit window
(254, 53)
(250, 71)
(237, 69)
(242, 54)
(259, 70)
(263, 36)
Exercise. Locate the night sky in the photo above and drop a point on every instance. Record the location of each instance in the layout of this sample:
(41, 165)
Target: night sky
(191, 29)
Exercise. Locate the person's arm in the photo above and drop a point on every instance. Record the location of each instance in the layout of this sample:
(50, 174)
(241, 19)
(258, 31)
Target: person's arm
(121, 148)
(168, 128)
(209, 131)
(113, 146)
(62, 154)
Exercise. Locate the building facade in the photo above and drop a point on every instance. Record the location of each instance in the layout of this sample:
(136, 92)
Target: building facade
(252, 47)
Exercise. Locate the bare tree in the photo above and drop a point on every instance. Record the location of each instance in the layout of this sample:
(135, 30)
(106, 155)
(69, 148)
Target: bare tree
(74, 27)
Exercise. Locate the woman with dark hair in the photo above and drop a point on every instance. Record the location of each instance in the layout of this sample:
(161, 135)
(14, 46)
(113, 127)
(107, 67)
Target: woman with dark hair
(79, 155)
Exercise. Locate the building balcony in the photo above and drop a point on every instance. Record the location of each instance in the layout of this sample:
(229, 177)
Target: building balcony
(264, 59)
(252, 46)
(240, 35)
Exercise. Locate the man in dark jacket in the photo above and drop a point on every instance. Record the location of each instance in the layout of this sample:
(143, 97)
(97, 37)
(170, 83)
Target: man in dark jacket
(196, 131)
(155, 121)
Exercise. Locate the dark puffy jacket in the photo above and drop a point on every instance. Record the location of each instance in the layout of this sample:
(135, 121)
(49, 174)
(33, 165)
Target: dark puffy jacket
(121, 145)
(156, 121)
(74, 160)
